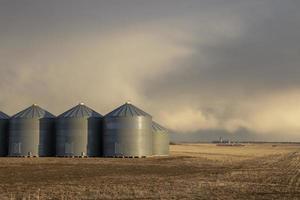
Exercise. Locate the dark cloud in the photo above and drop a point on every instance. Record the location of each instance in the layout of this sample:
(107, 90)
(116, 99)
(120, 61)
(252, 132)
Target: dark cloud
(265, 55)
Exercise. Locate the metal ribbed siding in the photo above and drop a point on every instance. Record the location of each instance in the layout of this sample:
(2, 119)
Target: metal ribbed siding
(32, 134)
(79, 134)
(4, 122)
(127, 134)
(161, 140)
(47, 137)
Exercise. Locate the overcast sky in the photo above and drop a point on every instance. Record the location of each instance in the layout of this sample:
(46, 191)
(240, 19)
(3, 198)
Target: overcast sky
(198, 66)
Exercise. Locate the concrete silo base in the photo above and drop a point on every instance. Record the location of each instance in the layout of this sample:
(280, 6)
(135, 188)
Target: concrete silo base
(24, 156)
(72, 156)
(127, 156)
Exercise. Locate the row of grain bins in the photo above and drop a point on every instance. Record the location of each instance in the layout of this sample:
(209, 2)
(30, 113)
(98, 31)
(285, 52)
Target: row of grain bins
(81, 132)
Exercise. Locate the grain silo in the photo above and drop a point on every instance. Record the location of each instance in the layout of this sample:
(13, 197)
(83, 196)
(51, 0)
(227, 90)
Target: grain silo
(32, 133)
(127, 132)
(4, 120)
(79, 132)
(161, 140)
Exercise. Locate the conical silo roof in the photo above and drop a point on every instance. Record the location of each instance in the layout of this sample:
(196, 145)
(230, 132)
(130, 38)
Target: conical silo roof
(80, 111)
(33, 111)
(157, 127)
(127, 110)
(3, 115)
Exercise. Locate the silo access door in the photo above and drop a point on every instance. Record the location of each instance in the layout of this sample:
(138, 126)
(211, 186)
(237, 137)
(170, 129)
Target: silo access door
(17, 148)
(69, 148)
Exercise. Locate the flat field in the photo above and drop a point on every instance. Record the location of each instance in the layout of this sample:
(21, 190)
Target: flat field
(193, 171)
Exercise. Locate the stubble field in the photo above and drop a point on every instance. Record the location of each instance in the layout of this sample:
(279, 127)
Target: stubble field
(193, 171)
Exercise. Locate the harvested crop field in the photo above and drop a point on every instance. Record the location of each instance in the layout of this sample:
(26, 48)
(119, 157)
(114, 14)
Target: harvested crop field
(193, 171)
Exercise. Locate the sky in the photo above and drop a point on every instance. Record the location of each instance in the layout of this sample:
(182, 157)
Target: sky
(202, 68)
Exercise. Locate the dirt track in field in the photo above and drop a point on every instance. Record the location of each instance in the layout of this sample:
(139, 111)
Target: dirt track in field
(193, 171)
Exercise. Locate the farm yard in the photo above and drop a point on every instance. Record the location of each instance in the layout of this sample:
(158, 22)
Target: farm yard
(193, 171)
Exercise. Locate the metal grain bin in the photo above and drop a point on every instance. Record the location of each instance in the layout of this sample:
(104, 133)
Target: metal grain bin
(79, 132)
(4, 122)
(32, 133)
(161, 140)
(127, 132)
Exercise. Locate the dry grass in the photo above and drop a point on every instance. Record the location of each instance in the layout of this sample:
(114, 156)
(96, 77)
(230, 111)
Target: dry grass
(193, 171)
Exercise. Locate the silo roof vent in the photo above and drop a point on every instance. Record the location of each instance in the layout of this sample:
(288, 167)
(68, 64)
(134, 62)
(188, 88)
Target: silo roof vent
(33, 111)
(80, 111)
(127, 110)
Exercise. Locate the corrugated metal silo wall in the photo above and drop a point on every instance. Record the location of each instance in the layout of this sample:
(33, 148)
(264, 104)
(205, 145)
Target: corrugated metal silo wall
(4, 137)
(78, 137)
(47, 137)
(127, 136)
(95, 132)
(161, 142)
(31, 137)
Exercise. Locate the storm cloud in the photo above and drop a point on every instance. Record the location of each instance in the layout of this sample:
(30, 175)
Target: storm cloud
(199, 67)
